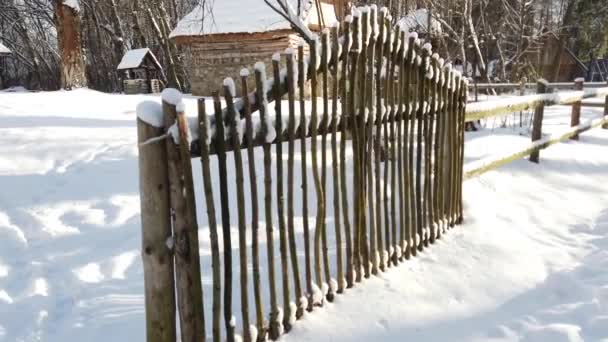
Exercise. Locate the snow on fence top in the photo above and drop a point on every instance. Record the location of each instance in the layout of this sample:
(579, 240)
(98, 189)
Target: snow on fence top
(486, 109)
(133, 59)
(418, 20)
(246, 16)
(4, 50)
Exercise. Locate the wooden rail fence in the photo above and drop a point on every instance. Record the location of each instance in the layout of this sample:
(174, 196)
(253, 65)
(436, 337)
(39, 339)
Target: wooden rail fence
(383, 146)
(538, 102)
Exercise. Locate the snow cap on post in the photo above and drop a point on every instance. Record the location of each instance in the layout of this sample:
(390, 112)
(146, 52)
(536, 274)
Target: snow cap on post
(150, 112)
(229, 83)
(171, 96)
(244, 72)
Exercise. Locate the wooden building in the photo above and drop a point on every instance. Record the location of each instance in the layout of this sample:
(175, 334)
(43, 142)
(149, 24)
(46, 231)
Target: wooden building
(540, 54)
(241, 33)
(140, 72)
(4, 54)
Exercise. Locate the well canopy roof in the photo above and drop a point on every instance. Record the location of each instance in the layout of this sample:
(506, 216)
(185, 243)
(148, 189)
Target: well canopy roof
(134, 59)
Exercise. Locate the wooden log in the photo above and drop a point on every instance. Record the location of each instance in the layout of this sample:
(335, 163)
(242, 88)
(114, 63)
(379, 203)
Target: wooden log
(224, 202)
(374, 256)
(185, 226)
(361, 147)
(453, 151)
(445, 145)
(378, 138)
(291, 128)
(400, 115)
(392, 101)
(353, 97)
(439, 133)
(431, 174)
(281, 199)
(335, 161)
(156, 230)
(420, 219)
(346, 100)
(414, 79)
(255, 246)
(315, 168)
(538, 120)
(407, 115)
(210, 204)
(234, 122)
(386, 137)
(575, 117)
(304, 160)
(426, 135)
(324, 128)
(461, 144)
(274, 326)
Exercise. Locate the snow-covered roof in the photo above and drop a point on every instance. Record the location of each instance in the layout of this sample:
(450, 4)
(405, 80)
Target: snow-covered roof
(4, 50)
(247, 16)
(418, 21)
(134, 58)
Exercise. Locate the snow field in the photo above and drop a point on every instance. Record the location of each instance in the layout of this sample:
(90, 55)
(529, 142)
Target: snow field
(526, 266)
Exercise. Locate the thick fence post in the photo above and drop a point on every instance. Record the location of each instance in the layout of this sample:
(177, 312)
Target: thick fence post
(538, 119)
(185, 226)
(575, 118)
(155, 230)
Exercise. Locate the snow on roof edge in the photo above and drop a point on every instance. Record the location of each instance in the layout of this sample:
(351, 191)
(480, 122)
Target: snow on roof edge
(4, 49)
(134, 58)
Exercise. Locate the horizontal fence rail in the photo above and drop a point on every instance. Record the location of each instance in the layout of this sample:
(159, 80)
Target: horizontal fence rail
(493, 108)
(370, 174)
(518, 86)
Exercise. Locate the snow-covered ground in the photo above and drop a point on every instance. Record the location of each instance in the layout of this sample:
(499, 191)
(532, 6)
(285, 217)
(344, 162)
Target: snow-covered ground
(529, 264)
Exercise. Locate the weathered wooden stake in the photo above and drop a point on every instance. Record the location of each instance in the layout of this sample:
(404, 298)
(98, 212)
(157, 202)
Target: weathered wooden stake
(213, 237)
(155, 232)
(345, 120)
(255, 248)
(276, 70)
(575, 118)
(274, 326)
(291, 129)
(220, 147)
(302, 72)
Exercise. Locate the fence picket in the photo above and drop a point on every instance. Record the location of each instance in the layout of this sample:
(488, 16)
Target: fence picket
(302, 72)
(324, 128)
(220, 147)
(275, 324)
(255, 254)
(345, 119)
(213, 237)
(334, 156)
(291, 129)
(378, 119)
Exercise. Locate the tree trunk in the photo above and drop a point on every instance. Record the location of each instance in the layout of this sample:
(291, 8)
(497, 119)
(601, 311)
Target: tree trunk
(70, 47)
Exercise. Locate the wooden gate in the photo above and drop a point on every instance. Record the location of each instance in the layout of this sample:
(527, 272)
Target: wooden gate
(360, 176)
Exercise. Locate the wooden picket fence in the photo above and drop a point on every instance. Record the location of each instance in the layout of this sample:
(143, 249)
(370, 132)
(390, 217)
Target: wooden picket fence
(390, 120)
